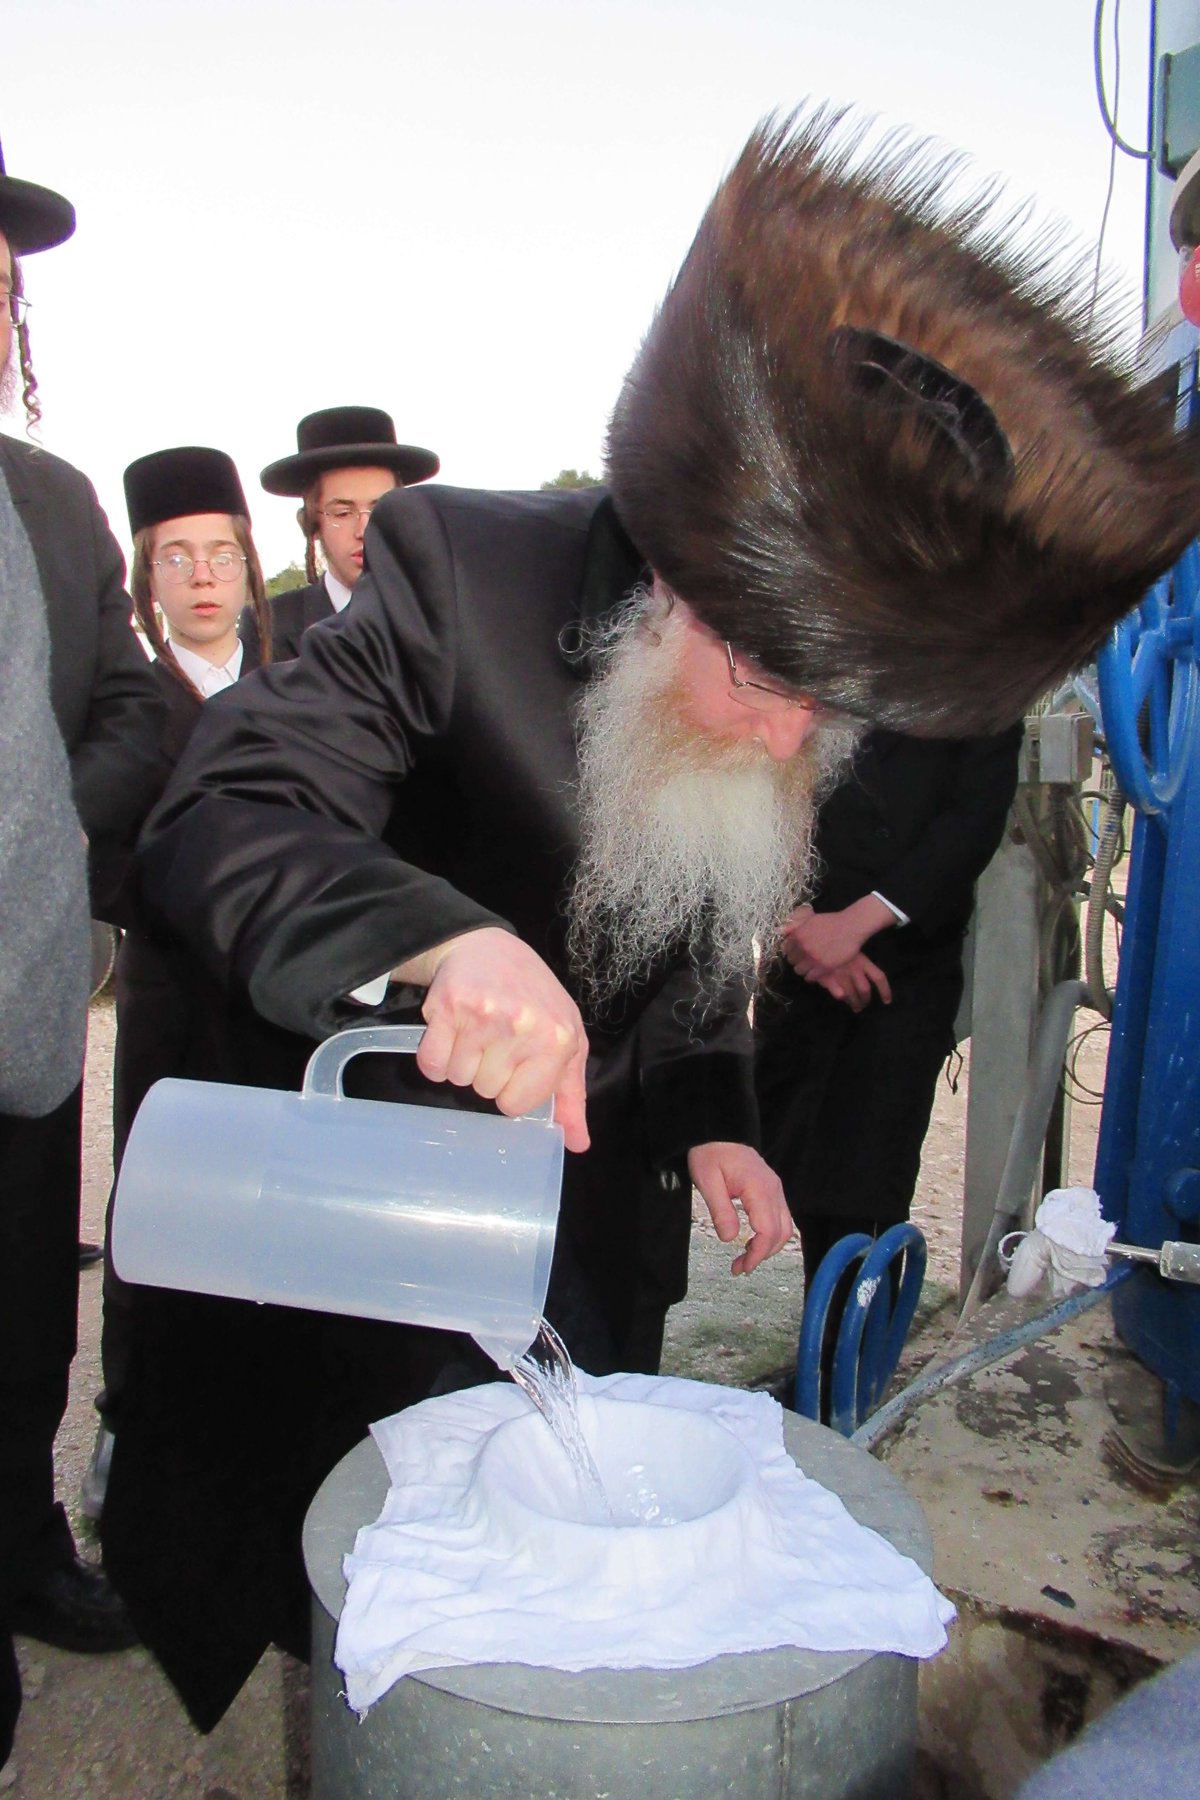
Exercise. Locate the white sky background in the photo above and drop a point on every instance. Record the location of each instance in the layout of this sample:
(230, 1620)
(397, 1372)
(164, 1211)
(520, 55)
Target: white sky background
(464, 211)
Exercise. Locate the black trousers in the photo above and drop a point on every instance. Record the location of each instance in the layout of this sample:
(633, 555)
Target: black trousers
(39, 1272)
(845, 1098)
(39, 1256)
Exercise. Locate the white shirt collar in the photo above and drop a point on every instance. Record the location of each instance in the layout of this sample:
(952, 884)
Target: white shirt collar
(208, 677)
(337, 590)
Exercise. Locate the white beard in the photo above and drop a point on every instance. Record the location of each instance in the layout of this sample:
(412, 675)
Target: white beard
(687, 840)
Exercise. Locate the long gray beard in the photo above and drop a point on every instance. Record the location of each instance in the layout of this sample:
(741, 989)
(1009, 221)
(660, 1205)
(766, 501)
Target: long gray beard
(687, 840)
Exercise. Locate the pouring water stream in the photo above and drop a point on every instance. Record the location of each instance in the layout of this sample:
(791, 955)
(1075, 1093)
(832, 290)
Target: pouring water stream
(547, 1375)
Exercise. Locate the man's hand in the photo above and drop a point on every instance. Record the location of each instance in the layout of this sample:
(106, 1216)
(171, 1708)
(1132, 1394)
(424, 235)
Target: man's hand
(817, 943)
(498, 1021)
(724, 1173)
(854, 981)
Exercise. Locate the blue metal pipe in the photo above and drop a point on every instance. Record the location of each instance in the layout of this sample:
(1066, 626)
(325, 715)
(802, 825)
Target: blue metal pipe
(870, 1330)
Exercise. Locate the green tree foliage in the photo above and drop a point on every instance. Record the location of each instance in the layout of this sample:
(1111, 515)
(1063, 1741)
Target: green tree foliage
(291, 577)
(572, 478)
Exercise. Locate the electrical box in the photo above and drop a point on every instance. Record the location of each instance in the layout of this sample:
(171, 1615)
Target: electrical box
(1179, 109)
(1057, 750)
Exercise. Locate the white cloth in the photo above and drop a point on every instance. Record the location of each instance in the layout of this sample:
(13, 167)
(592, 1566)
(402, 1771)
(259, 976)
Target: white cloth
(209, 678)
(1068, 1244)
(433, 1583)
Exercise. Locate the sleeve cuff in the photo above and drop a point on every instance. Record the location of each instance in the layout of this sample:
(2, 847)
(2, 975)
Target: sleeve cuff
(901, 918)
(371, 993)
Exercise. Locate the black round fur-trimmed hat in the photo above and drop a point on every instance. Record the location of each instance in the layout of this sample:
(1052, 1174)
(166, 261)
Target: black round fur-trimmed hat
(32, 217)
(172, 484)
(347, 437)
(880, 436)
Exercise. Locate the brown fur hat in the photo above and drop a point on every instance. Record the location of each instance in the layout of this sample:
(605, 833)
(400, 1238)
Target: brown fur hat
(884, 452)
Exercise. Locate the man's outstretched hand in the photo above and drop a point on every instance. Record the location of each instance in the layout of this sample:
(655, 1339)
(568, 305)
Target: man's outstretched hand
(498, 1021)
(725, 1173)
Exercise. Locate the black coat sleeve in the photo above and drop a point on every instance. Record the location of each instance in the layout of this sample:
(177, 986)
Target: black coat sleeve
(268, 852)
(696, 1070)
(931, 881)
(117, 771)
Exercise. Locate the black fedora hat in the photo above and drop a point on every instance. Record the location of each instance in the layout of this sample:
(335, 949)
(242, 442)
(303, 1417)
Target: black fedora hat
(31, 217)
(347, 437)
(171, 484)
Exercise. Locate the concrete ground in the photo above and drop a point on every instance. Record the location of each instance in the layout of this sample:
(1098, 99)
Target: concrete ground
(109, 1728)
(1074, 1575)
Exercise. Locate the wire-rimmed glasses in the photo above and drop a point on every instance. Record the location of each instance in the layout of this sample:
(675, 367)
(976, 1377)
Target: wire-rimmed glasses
(344, 512)
(757, 693)
(177, 566)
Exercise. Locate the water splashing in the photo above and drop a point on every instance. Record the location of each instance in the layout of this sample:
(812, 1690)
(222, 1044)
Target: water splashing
(547, 1375)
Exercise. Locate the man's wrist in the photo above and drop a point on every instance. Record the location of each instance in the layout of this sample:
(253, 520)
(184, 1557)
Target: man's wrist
(900, 917)
(419, 970)
(875, 913)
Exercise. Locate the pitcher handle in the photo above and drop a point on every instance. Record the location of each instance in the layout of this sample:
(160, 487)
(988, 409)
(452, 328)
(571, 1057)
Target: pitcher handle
(327, 1064)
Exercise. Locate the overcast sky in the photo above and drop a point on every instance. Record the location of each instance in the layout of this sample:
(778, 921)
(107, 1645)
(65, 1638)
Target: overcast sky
(463, 211)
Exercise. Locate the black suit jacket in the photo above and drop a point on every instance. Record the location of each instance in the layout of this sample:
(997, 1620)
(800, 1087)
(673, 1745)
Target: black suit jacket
(846, 1096)
(105, 697)
(172, 1019)
(291, 615)
(917, 820)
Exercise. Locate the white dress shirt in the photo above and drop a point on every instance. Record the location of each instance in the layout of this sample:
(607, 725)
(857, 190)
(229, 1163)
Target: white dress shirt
(208, 678)
(337, 590)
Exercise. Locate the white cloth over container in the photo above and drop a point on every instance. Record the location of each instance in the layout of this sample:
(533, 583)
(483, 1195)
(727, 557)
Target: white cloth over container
(440, 1579)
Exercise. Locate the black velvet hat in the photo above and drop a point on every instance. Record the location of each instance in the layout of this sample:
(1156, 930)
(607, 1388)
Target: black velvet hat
(31, 217)
(172, 484)
(347, 437)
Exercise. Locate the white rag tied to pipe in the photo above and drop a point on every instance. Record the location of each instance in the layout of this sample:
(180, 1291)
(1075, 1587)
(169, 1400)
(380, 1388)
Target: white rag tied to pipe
(1068, 1244)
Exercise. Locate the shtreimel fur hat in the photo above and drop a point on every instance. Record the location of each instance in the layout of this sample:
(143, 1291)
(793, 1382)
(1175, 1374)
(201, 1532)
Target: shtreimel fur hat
(882, 450)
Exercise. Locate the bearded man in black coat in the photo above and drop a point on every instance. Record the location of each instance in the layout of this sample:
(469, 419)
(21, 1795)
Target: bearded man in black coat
(555, 768)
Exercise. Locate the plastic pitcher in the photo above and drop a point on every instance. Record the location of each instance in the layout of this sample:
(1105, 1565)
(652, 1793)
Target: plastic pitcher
(379, 1209)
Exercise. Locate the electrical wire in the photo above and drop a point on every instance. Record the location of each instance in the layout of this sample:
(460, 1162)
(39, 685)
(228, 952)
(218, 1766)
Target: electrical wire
(892, 1416)
(1077, 1090)
(1117, 142)
(1110, 118)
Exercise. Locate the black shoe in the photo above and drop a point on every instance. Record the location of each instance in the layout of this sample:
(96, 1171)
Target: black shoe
(90, 1254)
(74, 1607)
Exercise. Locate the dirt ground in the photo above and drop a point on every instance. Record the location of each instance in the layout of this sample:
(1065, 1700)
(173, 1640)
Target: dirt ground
(110, 1728)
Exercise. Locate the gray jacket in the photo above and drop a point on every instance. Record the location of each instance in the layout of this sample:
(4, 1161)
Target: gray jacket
(44, 937)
